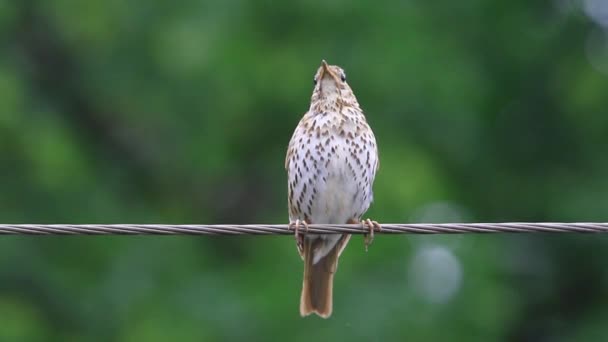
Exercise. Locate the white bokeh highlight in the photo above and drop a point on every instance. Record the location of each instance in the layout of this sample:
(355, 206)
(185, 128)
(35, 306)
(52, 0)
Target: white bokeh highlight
(597, 10)
(438, 212)
(435, 273)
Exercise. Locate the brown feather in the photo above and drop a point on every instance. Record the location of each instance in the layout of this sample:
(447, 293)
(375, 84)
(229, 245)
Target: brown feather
(317, 287)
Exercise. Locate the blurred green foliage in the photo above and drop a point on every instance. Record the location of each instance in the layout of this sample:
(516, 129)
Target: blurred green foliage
(180, 112)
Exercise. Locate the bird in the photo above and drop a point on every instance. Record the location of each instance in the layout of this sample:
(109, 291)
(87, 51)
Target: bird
(331, 162)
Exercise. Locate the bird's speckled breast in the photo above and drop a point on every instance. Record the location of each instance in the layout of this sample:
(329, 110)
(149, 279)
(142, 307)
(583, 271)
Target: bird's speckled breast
(331, 169)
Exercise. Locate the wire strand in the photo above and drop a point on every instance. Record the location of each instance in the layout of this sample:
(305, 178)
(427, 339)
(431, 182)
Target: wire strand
(283, 229)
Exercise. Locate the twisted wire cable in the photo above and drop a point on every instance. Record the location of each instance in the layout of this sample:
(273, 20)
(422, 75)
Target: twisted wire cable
(283, 229)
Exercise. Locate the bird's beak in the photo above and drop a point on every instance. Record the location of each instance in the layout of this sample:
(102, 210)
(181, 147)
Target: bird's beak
(326, 71)
(325, 66)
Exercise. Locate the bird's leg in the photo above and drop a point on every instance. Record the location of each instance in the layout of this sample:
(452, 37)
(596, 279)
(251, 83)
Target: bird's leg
(298, 236)
(296, 228)
(372, 226)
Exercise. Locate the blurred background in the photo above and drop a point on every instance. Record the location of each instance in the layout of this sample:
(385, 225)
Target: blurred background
(158, 112)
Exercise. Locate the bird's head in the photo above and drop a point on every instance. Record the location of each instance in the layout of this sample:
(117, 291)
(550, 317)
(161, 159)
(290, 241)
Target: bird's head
(331, 89)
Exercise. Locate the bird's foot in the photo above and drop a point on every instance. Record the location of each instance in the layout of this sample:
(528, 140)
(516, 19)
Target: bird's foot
(298, 235)
(372, 226)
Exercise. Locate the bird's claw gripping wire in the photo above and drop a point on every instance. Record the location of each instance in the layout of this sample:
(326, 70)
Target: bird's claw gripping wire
(297, 234)
(371, 226)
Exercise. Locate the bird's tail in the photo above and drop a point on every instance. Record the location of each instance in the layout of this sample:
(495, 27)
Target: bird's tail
(319, 276)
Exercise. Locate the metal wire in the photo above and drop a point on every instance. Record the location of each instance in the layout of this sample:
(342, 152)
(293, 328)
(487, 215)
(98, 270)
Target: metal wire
(283, 229)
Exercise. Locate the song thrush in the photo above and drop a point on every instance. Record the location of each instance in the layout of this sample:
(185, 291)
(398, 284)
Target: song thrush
(331, 163)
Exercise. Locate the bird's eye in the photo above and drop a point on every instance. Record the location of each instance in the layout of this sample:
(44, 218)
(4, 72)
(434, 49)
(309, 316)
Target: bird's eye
(314, 81)
(343, 77)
